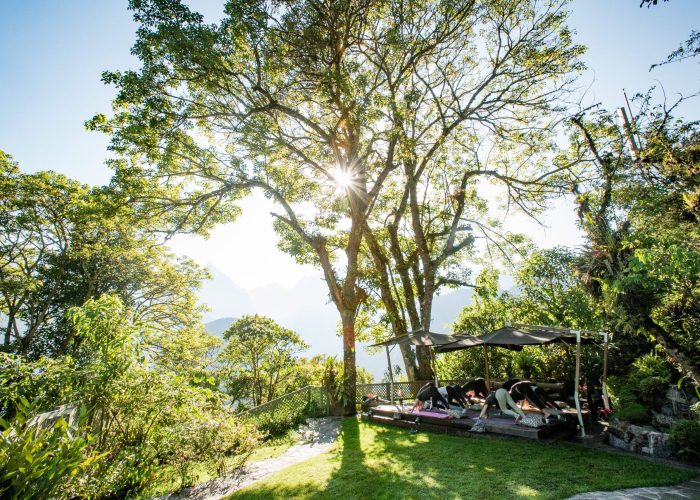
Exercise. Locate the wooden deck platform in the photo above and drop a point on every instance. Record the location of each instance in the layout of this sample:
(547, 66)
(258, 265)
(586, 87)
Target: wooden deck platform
(401, 416)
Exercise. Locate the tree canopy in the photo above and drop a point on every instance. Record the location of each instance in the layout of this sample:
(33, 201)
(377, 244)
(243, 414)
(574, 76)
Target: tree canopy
(319, 104)
(260, 359)
(641, 220)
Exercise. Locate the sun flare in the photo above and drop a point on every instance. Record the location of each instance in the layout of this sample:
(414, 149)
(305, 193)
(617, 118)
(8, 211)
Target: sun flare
(343, 178)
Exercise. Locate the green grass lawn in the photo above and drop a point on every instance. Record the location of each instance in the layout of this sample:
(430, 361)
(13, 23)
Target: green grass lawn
(375, 461)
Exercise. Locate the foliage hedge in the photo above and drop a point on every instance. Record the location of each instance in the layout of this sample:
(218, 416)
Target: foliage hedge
(641, 390)
(138, 417)
(685, 440)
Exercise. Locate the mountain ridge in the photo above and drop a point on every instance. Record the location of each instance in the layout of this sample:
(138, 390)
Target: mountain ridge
(305, 308)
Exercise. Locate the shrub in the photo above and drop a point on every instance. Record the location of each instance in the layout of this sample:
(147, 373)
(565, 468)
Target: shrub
(142, 416)
(633, 412)
(644, 388)
(217, 446)
(275, 424)
(40, 463)
(651, 390)
(695, 410)
(685, 440)
(652, 365)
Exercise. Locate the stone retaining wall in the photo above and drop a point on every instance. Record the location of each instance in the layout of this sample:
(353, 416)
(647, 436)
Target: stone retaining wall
(637, 439)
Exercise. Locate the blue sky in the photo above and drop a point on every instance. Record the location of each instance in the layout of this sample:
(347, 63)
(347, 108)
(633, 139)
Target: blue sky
(52, 54)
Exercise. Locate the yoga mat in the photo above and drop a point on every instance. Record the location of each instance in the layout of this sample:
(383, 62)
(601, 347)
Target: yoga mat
(434, 414)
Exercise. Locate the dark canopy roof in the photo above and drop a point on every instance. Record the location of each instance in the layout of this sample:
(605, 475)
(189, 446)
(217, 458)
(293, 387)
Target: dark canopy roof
(422, 338)
(515, 337)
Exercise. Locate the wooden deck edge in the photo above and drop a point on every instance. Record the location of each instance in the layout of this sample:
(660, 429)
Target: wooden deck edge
(462, 426)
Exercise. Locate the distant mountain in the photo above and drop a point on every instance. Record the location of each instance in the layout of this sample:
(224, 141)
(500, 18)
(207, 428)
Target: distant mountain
(219, 326)
(305, 308)
(223, 296)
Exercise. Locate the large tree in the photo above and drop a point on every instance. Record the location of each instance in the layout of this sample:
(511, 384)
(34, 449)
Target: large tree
(469, 127)
(260, 359)
(641, 219)
(63, 243)
(312, 102)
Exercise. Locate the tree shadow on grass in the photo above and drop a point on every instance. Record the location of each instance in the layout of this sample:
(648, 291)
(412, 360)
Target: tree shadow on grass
(376, 461)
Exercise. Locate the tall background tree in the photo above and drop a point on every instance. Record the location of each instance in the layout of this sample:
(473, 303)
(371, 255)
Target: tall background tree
(260, 359)
(62, 244)
(470, 124)
(317, 104)
(641, 218)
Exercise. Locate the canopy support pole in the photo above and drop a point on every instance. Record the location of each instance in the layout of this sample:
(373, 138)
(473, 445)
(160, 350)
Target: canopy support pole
(486, 367)
(577, 382)
(606, 398)
(391, 375)
(434, 361)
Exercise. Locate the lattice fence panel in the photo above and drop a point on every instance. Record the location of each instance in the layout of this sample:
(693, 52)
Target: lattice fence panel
(289, 409)
(402, 390)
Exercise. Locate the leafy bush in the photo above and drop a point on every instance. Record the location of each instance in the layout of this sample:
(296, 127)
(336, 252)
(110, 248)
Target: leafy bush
(641, 390)
(695, 410)
(651, 390)
(685, 440)
(649, 378)
(41, 462)
(527, 363)
(652, 365)
(142, 415)
(275, 424)
(212, 445)
(634, 412)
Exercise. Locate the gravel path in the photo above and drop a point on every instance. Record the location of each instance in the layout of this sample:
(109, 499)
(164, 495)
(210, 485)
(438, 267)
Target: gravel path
(316, 437)
(689, 489)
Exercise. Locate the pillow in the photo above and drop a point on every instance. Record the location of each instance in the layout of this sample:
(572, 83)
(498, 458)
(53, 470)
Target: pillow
(531, 420)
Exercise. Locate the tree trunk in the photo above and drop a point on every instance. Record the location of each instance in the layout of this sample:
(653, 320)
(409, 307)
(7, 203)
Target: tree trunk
(409, 362)
(8, 331)
(349, 368)
(673, 350)
(423, 354)
(391, 304)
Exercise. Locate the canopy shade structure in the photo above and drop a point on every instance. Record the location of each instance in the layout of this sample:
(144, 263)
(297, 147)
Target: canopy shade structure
(417, 338)
(514, 338)
(422, 338)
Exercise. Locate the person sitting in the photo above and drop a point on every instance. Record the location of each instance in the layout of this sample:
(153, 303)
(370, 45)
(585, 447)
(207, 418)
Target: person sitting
(429, 392)
(526, 390)
(477, 387)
